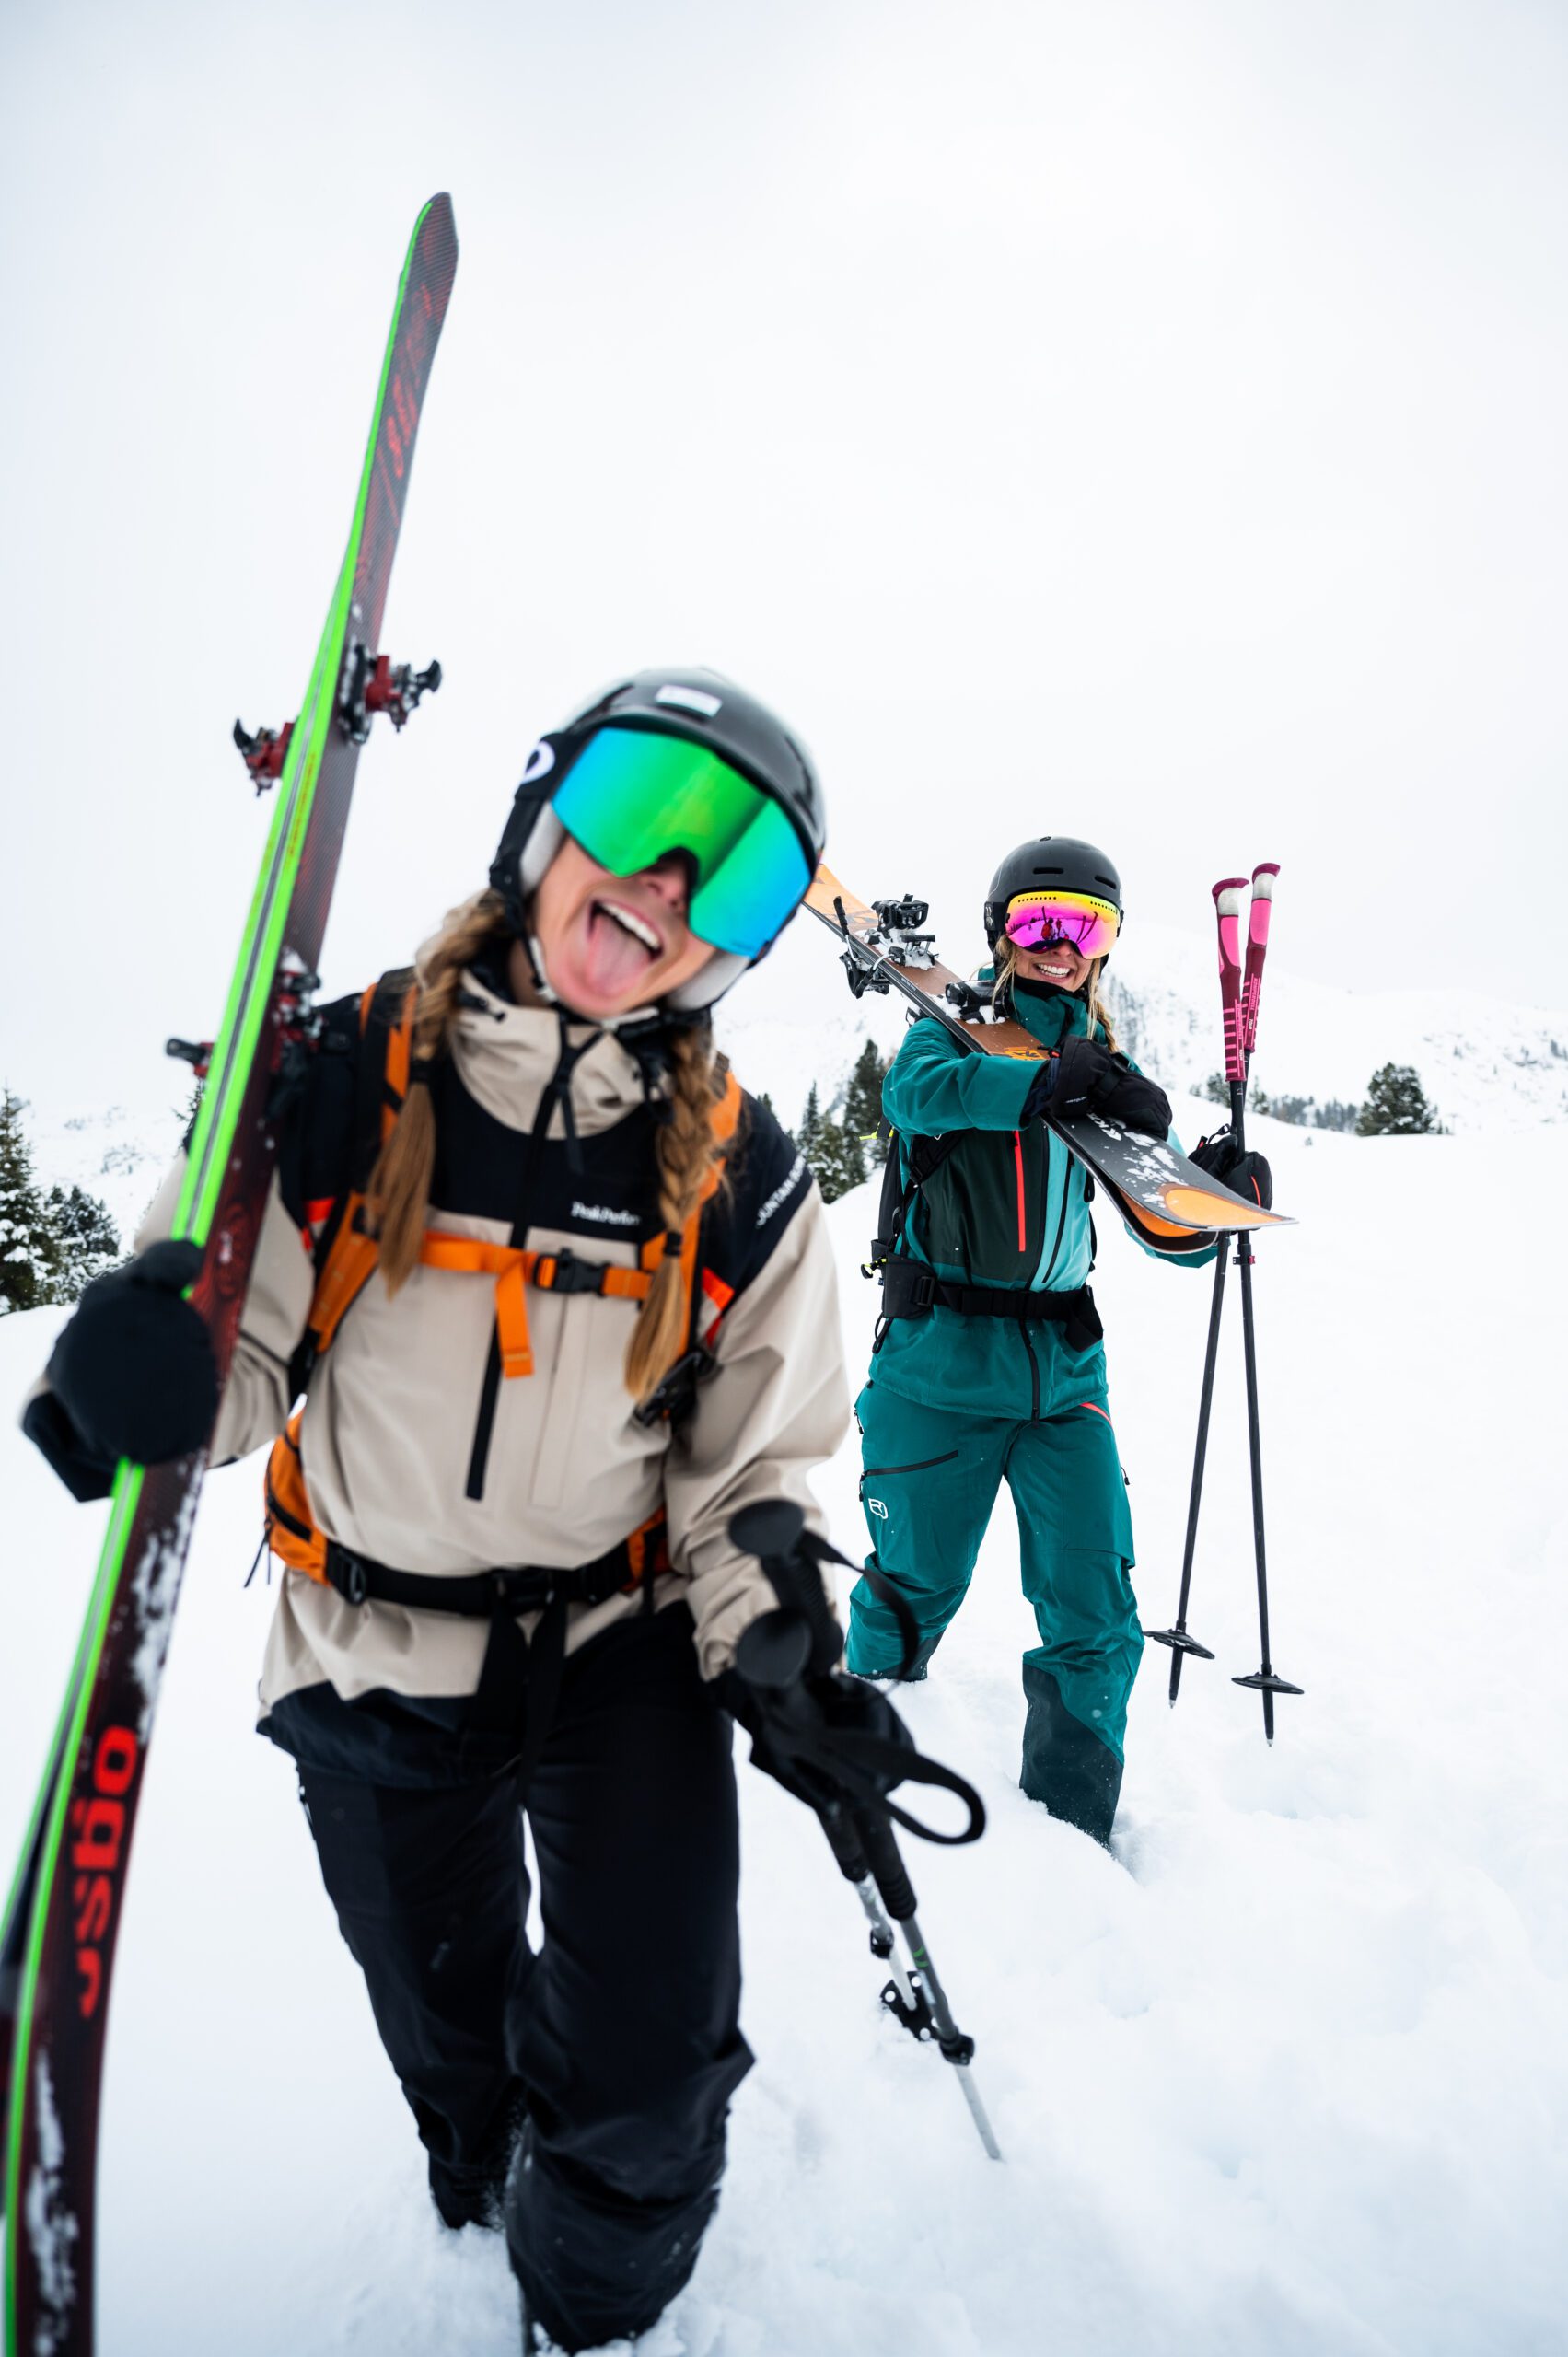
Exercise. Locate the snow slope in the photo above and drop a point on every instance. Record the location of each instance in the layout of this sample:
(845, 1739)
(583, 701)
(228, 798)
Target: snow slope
(1280, 2077)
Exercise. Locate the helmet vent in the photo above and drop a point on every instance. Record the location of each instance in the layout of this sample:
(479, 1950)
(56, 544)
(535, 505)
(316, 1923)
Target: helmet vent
(695, 699)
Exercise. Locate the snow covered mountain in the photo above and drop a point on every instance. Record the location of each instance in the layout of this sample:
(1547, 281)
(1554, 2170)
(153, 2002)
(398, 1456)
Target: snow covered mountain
(1280, 2078)
(1484, 1064)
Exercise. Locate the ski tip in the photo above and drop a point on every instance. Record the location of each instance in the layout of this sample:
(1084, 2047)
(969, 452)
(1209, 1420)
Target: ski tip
(437, 220)
(1263, 876)
(1230, 884)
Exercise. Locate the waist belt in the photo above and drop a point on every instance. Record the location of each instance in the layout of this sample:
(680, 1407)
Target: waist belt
(519, 1681)
(510, 1589)
(909, 1289)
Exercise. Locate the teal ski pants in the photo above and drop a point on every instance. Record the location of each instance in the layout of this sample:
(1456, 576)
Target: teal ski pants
(929, 1481)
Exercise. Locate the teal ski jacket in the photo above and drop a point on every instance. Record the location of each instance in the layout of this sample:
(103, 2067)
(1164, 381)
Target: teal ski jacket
(1007, 1206)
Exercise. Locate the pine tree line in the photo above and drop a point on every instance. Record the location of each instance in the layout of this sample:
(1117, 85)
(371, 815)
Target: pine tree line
(845, 1151)
(51, 1244)
(1395, 1105)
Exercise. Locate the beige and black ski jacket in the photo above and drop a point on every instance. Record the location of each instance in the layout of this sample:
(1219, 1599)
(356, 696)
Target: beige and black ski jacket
(420, 1452)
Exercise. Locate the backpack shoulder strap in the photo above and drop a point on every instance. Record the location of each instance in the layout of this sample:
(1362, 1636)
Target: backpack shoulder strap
(924, 1156)
(345, 1255)
(386, 1041)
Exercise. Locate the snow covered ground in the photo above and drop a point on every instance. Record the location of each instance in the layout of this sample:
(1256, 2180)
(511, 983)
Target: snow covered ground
(1286, 2075)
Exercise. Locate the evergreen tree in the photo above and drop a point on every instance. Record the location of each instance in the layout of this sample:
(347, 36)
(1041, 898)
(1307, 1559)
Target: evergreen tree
(27, 1253)
(1396, 1105)
(85, 1237)
(841, 1161)
(837, 1157)
(863, 1105)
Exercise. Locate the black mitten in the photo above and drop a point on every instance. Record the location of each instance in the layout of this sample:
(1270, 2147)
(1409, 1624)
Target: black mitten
(1246, 1175)
(134, 1370)
(1087, 1076)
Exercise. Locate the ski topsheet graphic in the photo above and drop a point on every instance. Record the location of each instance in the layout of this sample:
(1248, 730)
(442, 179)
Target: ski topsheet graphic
(1165, 1199)
(58, 1941)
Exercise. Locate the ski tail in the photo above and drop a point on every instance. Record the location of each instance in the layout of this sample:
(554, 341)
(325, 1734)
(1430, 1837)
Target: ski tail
(1228, 900)
(1257, 950)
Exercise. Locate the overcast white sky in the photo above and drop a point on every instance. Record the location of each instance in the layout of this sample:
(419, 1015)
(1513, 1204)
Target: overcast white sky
(1139, 418)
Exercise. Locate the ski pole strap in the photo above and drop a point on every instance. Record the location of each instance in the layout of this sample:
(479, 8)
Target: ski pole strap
(897, 1604)
(858, 1772)
(809, 1592)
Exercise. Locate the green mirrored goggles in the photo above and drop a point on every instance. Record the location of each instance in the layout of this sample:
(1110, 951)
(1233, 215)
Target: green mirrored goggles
(633, 796)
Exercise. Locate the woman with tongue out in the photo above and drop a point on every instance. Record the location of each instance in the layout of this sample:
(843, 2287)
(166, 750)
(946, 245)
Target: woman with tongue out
(567, 1304)
(988, 1363)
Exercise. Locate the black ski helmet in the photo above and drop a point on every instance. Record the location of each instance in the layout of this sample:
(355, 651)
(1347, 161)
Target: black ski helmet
(1059, 862)
(706, 709)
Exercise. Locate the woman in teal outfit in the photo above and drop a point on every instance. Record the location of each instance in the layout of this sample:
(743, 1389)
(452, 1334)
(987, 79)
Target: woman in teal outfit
(988, 1363)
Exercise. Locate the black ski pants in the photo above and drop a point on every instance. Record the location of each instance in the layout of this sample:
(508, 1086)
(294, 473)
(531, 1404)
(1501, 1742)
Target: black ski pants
(621, 2037)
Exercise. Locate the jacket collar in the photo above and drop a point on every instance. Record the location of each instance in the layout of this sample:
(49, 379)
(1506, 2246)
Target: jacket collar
(507, 1055)
(1052, 1020)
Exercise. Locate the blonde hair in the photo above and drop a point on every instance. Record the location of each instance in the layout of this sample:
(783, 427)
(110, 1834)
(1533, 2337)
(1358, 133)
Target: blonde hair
(398, 1193)
(1006, 957)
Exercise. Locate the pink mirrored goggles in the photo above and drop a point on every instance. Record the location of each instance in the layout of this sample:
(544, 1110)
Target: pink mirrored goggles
(1086, 922)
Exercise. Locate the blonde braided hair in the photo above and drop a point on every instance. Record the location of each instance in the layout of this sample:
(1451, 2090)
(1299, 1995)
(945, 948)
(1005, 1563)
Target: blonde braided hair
(1006, 957)
(686, 1150)
(397, 1194)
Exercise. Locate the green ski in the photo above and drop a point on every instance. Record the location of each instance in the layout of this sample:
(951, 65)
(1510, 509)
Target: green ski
(58, 1941)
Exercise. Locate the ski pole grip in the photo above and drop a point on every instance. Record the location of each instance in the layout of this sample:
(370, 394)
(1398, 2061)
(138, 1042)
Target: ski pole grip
(886, 1863)
(774, 1529)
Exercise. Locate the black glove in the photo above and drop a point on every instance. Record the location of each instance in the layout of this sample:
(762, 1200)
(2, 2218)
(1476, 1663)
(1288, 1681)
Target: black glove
(1085, 1076)
(134, 1370)
(1246, 1175)
(795, 1729)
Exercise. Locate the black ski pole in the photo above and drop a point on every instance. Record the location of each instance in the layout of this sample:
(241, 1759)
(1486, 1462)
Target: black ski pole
(1227, 914)
(1177, 1638)
(775, 1652)
(929, 2016)
(1237, 1062)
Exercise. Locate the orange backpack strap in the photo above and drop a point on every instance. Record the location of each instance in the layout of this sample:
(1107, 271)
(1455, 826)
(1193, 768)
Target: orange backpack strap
(292, 1535)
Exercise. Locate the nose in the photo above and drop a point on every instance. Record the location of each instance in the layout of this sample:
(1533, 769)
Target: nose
(671, 877)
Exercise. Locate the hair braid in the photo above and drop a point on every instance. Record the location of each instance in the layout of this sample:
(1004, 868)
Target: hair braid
(398, 1195)
(686, 1149)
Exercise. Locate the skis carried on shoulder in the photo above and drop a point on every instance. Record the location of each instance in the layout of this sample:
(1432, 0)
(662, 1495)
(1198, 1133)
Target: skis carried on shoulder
(57, 1944)
(1165, 1199)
